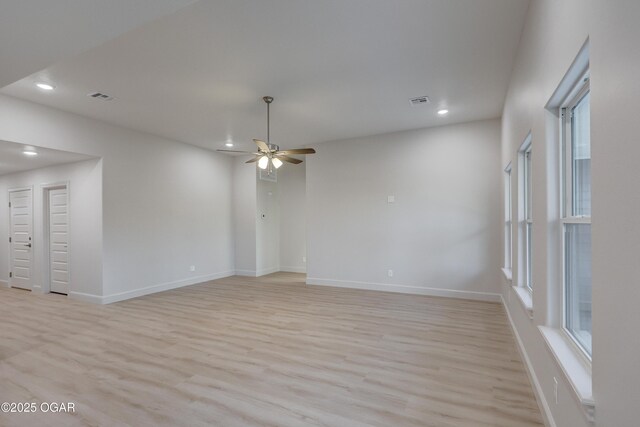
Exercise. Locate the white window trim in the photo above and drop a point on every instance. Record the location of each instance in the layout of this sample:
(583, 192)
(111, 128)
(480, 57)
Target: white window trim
(578, 91)
(528, 221)
(574, 366)
(508, 224)
(570, 357)
(525, 296)
(525, 217)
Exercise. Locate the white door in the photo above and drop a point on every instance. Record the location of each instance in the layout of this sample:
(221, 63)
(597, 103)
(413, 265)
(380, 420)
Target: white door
(20, 241)
(58, 241)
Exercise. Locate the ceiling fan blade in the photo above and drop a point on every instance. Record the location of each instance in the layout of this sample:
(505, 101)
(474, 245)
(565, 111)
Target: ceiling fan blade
(263, 146)
(236, 151)
(297, 151)
(255, 159)
(288, 159)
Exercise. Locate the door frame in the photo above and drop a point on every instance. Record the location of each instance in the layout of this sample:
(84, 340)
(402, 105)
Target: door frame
(46, 227)
(33, 242)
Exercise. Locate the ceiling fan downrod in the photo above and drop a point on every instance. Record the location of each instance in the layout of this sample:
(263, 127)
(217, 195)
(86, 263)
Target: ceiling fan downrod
(268, 100)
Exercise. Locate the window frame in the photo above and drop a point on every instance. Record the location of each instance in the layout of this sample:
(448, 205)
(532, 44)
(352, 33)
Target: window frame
(528, 218)
(569, 356)
(566, 172)
(508, 219)
(576, 95)
(525, 216)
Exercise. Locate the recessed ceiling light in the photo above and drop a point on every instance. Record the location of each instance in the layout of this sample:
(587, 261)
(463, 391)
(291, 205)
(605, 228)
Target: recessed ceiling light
(443, 112)
(229, 144)
(30, 153)
(45, 86)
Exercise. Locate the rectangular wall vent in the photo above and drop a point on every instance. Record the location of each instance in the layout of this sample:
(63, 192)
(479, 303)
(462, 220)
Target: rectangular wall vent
(420, 100)
(101, 96)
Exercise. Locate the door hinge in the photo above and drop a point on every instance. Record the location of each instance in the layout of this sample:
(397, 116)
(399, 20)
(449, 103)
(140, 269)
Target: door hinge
(10, 274)
(9, 239)
(9, 204)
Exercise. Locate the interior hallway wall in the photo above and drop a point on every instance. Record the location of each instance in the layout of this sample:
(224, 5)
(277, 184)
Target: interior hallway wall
(85, 222)
(245, 206)
(267, 226)
(167, 206)
(293, 224)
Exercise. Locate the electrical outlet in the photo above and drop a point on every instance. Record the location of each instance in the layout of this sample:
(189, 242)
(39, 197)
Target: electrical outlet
(390, 273)
(555, 389)
(192, 268)
(304, 259)
(391, 199)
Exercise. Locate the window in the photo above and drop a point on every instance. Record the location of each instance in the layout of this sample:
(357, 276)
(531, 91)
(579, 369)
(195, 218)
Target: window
(526, 215)
(508, 231)
(576, 215)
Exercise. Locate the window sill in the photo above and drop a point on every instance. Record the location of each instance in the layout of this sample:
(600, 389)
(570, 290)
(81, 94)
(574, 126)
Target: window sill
(525, 297)
(574, 366)
(507, 273)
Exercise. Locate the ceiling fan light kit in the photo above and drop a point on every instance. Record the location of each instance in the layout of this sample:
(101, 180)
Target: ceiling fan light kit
(270, 154)
(276, 162)
(263, 162)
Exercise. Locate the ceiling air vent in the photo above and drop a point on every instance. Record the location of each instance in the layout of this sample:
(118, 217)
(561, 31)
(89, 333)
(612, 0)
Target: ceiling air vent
(101, 96)
(420, 100)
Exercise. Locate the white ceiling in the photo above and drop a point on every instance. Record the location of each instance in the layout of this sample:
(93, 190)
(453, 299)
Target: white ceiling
(36, 33)
(13, 160)
(337, 69)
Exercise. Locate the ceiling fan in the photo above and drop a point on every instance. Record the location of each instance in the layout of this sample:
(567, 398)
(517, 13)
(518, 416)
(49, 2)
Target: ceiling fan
(271, 154)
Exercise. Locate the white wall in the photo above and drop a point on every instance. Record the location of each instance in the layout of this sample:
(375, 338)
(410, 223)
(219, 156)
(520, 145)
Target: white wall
(167, 208)
(244, 213)
(276, 242)
(267, 227)
(293, 225)
(441, 236)
(166, 205)
(554, 33)
(615, 57)
(85, 221)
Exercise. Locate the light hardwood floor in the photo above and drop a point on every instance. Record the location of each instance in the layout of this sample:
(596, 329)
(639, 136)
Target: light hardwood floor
(269, 351)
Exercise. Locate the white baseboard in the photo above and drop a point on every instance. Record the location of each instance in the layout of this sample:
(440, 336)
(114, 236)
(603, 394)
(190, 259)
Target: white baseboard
(108, 299)
(4, 283)
(294, 269)
(415, 290)
(537, 388)
(254, 273)
(266, 271)
(250, 273)
(79, 296)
